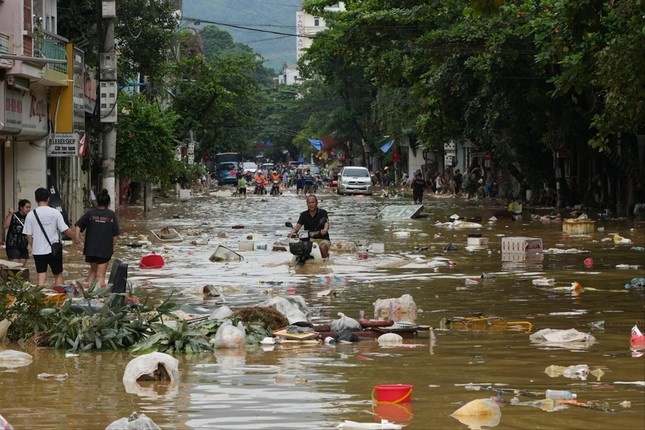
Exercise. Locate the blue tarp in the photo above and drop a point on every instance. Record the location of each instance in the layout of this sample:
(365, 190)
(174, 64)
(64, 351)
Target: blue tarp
(387, 146)
(316, 143)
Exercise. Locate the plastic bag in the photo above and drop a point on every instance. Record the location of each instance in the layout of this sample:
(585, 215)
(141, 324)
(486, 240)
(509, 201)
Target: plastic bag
(345, 323)
(389, 339)
(293, 308)
(155, 366)
(134, 422)
(221, 313)
(401, 309)
(230, 336)
(11, 358)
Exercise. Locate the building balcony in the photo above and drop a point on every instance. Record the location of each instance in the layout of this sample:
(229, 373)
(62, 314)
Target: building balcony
(52, 47)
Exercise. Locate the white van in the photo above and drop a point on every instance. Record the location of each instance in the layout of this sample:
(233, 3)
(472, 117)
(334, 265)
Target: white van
(354, 180)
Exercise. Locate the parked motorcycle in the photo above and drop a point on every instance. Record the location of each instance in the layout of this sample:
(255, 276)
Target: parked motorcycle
(259, 189)
(302, 247)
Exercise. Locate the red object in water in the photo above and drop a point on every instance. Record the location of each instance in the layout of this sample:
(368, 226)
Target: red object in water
(237, 227)
(637, 340)
(152, 261)
(588, 262)
(392, 393)
(292, 290)
(362, 256)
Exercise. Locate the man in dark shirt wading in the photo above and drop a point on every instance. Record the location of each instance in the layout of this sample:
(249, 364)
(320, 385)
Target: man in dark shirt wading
(315, 220)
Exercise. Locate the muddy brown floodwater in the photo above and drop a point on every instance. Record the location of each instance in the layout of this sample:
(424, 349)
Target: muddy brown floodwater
(298, 387)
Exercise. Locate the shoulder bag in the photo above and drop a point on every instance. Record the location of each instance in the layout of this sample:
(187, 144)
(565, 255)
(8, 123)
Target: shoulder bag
(57, 248)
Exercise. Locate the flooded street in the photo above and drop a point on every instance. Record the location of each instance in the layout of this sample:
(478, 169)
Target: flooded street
(318, 386)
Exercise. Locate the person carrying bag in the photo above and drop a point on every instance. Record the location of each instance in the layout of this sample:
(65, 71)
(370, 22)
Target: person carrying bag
(41, 224)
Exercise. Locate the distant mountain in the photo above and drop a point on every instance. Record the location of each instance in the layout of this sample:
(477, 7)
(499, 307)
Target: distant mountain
(272, 15)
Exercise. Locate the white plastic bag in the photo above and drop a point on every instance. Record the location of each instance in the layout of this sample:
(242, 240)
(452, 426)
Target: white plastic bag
(230, 336)
(345, 323)
(293, 308)
(150, 366)
(389, 339)
(134, 422)
(11, 358)
(221, 313)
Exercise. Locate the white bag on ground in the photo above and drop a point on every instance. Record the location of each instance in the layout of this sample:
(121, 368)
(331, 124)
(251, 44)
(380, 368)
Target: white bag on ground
(134, 422)
(153, 366)
(293, 308)
(401, 309)
(390, 339)
(11, 358)
(571, 338)
(230, 336)
(345, 323)
(221, 313)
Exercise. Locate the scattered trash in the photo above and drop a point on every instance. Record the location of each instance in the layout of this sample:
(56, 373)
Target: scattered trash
(4, 424)
(237, 227)
(223, 253)
(480, 322)
(458, 224)
(627, 266)
(619, 240)
(292, 307)
(588, 262)
(383, 425)
(155, 366)
(638, 248)
(167, 234)
(543, 282)
(625, 404)
(55, 376)
(450, 247)
(579, 371)
(152, 261)
(392, 393)
(521, 248)
(134, 422)
(10, 358)
(331, 280)
(343, 246)
(560, 395)
(260, 246)
(476, 240)
(376, 248)
(401, 234)
(345, 323)
(579, 226)
(598, 373)
(401, 309)
(570, 338)
(230, 336)
(399, 212)
(637, 339)
(636, 282)
(287, 379)
(389, 339)
(557, 251)
(479, 413)
(221, 313)
(597, 325)
(222, 235)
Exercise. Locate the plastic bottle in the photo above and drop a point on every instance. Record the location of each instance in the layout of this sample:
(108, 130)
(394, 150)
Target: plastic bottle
(560, 395)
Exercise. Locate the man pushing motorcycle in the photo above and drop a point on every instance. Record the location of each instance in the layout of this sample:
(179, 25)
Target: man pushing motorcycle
(316, 221)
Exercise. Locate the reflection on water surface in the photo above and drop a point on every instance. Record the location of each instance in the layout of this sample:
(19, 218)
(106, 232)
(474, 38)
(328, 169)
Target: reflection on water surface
(298, 386)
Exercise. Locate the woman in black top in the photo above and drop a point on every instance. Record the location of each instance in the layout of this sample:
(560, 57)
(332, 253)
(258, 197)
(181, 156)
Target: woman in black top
(16, 242)
(101, 232)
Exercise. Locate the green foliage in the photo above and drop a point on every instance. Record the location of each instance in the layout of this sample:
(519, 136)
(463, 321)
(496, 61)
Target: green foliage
(27, 307)
(183, 338)
(145, 141)
(186, 174)
(143, 31)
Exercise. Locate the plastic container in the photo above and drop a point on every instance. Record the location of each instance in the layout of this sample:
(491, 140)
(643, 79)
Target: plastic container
(577, 227)
(260, 246)
(392, 393)
(560, 395)
(393, 412)
(152, 261)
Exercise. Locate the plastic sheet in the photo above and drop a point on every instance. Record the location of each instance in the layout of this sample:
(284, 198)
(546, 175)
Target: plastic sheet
(230, 336)
(402, 309)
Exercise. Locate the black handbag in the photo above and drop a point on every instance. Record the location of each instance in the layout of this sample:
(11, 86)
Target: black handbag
(57, 247)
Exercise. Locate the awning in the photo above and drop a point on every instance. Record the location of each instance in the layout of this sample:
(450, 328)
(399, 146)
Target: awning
(387, 146)
(316, 143)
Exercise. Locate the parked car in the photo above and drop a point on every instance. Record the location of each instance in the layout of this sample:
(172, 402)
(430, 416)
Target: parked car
(354, 180)
(249, 166)
(227, 173)
(267, 167)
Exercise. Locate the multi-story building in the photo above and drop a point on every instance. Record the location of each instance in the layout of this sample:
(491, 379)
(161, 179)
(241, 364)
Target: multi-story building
(307, 26)
(42, 112)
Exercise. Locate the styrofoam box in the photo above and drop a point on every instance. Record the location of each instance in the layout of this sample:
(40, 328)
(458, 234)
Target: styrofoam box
(522, 246)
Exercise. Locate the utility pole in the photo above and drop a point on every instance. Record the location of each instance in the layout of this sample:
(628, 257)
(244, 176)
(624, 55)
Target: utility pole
(108, 91)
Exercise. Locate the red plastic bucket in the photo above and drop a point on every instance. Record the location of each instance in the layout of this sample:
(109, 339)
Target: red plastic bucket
(152, 261)
(392, 393)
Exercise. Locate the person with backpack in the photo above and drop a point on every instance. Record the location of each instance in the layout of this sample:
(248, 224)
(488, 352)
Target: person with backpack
(16, 242)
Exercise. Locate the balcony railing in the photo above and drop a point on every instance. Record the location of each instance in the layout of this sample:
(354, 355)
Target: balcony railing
(51, 46)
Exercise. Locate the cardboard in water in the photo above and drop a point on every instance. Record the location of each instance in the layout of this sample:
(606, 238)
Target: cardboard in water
(521, 248)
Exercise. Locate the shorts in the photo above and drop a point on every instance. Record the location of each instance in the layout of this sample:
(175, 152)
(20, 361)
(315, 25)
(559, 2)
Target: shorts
(97, 260)
(322, 241)
(417, 196)
(17, 254)
(42, 261)
(242, 191)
